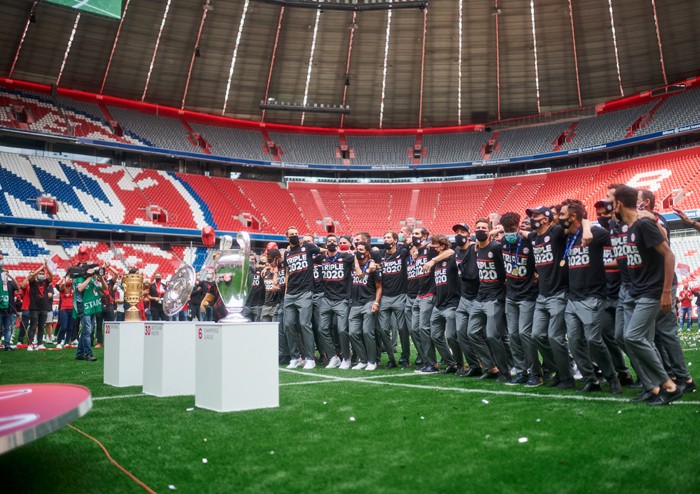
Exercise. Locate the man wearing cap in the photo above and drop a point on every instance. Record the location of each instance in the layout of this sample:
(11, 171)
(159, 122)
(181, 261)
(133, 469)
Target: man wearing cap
(87, 303)
(8, 311)
(487, 317)
(465, 255)
(548, 325)
(298, 300)
(587, 291)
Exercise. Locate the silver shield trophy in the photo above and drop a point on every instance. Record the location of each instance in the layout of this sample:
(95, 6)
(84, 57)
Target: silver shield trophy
(232, 276)
(179, 290)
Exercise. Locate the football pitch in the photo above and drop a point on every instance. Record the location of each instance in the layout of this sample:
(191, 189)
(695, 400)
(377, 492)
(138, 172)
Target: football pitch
(357, 431)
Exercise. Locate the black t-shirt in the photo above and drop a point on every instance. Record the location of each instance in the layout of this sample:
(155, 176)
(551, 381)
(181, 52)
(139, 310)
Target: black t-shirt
(416, 278)
(618, 239)
(299, 261)
(40, 295)
(645, 264)
(612, 274)
(157, 290)
(364, 288)
(273, 295)
(318, 278)
(394, 272)
(336, 272)
(446, 279)
(549, 251)
(492, 273)
(256, 296)
(198, 292)
(586, 265)
(468, 272)
(519, 262)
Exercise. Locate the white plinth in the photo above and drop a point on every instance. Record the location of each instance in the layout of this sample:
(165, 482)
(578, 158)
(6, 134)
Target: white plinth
(123, 353)
(168, 358)
(236, 366)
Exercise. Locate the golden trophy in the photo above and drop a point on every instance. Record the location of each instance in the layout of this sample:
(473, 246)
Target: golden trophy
(133, 291)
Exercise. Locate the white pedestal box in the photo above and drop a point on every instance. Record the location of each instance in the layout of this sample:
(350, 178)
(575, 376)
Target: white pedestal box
(123, 353)
(236, 366)
(168, 358)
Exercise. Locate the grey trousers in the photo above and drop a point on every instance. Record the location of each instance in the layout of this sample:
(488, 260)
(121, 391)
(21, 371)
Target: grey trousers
(395, 306)
(640, 327)
(340, 310)
(607, 329)
(361, 322)
(252, 313)
(666, 338)
(549, 333)
(422, 310)
(586, 339)
(298, 311)
(519, 315)
(443, 332)
(486, 327)
(465, 345)
(413, 326)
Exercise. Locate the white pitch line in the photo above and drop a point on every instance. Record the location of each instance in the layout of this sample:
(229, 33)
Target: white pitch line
(117, 397)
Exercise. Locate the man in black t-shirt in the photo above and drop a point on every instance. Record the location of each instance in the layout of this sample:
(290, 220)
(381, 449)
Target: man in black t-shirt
(443, 328)
(256, 296)
(465, 256)
(419, 289)
(298, 300)
(487, 318)
(587, 290)
(336, 272)
(317, 301)
(40, 303)
(651, 264)
(548, 326)
(414, 274)
(521, 293)
(366, 297)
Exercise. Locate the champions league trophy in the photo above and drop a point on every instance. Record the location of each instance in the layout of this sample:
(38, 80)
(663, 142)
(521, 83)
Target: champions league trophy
(232, 275)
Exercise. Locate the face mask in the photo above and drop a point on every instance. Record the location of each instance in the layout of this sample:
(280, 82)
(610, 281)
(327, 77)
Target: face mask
(360, 256)
(41, 277)
(417, 241)
(332, 248)
(604, 222)
(387, 246)
(400, 237)
(294, 240)
(617, 215)
(157, 280)
(460, 239)
(536, 224)
(481, 235)
(210, 277)
(344, 247)
(566, 223)
(511, 238)
(432, 252)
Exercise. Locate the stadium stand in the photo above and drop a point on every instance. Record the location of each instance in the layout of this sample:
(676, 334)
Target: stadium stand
(161, 132)
(382, 150)
(454, 147)
(676, 111)
(528, 141)
(27, 110)
(232, 142)
(307, 148)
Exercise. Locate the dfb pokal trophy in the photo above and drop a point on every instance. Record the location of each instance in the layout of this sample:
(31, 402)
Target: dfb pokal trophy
(232, 276)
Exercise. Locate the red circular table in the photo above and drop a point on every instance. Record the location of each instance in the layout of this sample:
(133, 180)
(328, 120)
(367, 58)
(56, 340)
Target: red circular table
(30, 411)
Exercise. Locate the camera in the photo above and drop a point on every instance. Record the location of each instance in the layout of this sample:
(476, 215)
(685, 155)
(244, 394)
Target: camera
(86, 270)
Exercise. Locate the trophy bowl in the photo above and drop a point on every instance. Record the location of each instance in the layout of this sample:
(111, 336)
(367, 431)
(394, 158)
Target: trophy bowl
(133, 292)
(231, 270)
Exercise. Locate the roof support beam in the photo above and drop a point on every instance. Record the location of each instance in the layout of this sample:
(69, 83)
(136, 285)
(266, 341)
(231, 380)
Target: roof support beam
(114, 46)
(614, 39)
(21, 40)
(459, 67)
(311, 63)
(155, 49)
(387, 39)
(195, 52)
(534, 49)
(497, 10)
(658, 40)
(68, 45)
(422, 68)
(347, 66)
(235, 55)
(573, 38)
(272, 61)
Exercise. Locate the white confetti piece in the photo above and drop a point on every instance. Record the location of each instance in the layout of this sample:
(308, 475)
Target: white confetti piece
(690, 363)
(352, 419)
(172, 487)
(619, 411)
(422, 418)
(190, 409)
(325, 403)
(522, 440)
(204, 460)
(537, 420)
(205, 439)
(485, 402)
(272, 452)
(488, 436)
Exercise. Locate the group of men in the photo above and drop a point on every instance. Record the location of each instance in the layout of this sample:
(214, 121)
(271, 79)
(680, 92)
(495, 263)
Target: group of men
(519, 304)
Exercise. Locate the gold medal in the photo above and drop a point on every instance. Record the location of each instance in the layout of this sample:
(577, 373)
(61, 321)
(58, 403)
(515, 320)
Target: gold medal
(562, 263)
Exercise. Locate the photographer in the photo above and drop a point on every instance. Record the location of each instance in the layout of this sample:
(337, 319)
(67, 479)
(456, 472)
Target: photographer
(40, 303)
(87, 303)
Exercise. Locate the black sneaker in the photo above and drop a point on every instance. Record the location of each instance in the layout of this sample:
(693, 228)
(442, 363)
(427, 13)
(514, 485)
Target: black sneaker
(403, 360)
(625, 378)
(688, 387)
(391, 365)
(533, 382)
(91, 358)
(615, 387)
(489, 375)
(564, 385)
(405, 364)
(643, 396)
(8, 348)
(451, 369)
(474, 372)
(429, 369)
(80, 357)
(503, 378)
(665, 397)
(419, 362)
(590, 388)
(637, 384)
(461, 372)
(420, 371)
(554, 382)
(518, 379)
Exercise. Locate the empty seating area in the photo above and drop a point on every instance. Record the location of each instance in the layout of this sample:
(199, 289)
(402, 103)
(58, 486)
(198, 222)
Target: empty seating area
(456, 147)
(307, 148)
(382, 150)
(162, 132)
(606, 127)
(686, 249)
(233, 142)
(677, 111)
(27, 110)
(528, 141)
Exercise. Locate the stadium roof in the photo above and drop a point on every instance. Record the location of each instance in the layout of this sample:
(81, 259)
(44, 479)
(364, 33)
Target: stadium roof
(249, 51)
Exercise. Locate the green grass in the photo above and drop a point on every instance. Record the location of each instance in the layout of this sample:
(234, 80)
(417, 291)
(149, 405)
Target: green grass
(411, 433)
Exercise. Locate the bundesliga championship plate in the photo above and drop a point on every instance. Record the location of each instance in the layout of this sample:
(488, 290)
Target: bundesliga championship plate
(30, 411)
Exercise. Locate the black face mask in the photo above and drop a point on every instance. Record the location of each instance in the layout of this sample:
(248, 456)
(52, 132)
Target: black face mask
(432, 253)
(618, 216)
(294, 240)
(360, 256)
(388, 246)
(535, 224)
(331, 248)
(460, 239)
(417, 241)
(157, 280)
(481, 235)
(604, 222)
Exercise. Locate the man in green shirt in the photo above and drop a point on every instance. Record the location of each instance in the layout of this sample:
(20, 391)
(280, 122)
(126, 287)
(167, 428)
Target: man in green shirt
(86, 304)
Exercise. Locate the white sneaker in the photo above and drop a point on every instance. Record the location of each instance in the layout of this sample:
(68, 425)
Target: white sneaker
(41, 347)
(359, 366)
(345, 365)
(59, 347)
(293, 364)
(310, 364)
(75, 343)
(334, 362)
(30, 348)
(371, 367)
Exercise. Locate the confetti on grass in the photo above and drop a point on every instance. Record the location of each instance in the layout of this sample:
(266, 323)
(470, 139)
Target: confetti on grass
(485, 402)
(522, 440)
(204, 460)
(352, 419)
